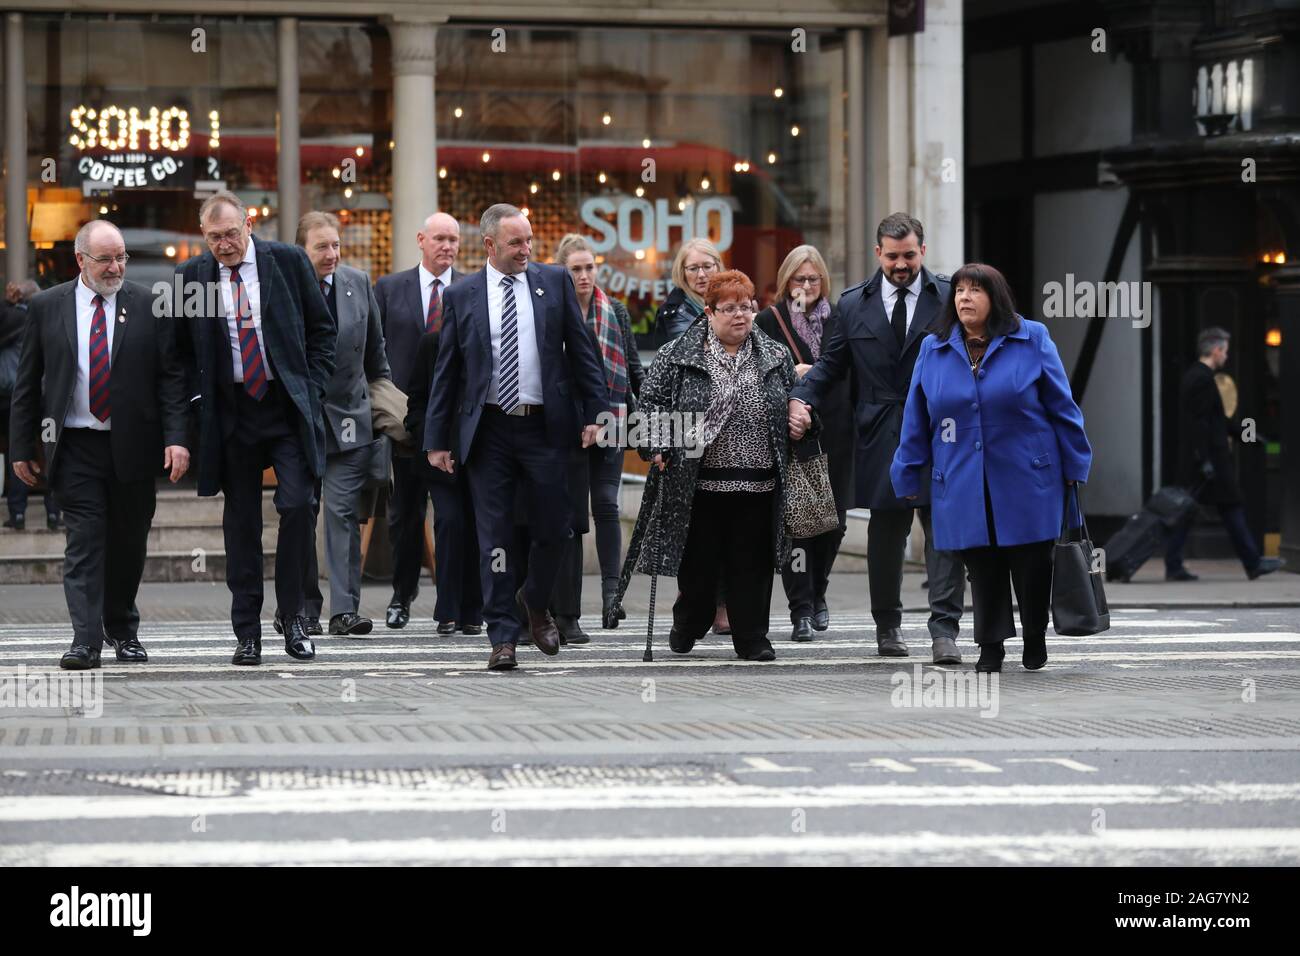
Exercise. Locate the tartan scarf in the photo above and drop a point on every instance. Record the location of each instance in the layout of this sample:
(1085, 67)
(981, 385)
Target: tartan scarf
(609, 333)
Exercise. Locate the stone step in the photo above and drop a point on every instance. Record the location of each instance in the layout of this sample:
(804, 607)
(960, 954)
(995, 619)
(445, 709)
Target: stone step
(160, 566)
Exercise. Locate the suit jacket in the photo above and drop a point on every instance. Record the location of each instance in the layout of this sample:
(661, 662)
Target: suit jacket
(836, 409)
(1014, 422)
(1203, 436)
(298, 334)
(865, 342)
(359, 357)
(146, 384)
(402, 315)
(573, 375)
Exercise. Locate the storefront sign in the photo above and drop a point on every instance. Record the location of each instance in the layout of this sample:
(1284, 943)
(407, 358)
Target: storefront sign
(135, 148)
(136, 171)
(638, 225)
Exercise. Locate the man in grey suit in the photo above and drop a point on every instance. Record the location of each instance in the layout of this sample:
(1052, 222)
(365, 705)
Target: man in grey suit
(410, 305)
(359, 358)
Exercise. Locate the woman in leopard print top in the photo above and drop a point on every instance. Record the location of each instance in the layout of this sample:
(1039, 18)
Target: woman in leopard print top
(720, 478)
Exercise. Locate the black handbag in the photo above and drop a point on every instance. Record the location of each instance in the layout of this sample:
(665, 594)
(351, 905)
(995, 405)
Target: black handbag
(1078, 596)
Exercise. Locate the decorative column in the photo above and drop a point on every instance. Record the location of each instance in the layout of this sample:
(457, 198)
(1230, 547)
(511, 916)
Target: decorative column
(17, 242)
(289, 160)
(415, 150)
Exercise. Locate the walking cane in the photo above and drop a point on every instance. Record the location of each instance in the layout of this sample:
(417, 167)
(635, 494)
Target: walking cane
(649, 655)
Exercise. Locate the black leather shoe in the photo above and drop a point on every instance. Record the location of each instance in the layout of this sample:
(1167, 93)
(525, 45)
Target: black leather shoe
(312, 626)
(54, 523)
(350, 623)
(944, 650)
(296, 642)
(803, 630)
(1265, 566)
(571, 631)
(1182, 574)
(821, 618)
(679, 643)
(80, 658)
(473, 630)
(759, 652)
(277, 622)
(399, 612)
(17, 522)
(889, 642)
(128, 651)
(502, 657)
(248, 651)
(990, 661)
(1034, 655)
(446, 627)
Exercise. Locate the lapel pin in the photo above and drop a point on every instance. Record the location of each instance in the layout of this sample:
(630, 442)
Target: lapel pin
(348, 292)
(121, 316)
(540, 292)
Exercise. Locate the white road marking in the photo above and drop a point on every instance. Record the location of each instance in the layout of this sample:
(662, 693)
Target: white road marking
(964, 764)
(1211, 844)
(1065, 762)
(764, 765)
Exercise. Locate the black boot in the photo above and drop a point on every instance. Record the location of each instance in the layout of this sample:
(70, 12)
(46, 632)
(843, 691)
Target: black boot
(611, 612)
(990, 661)
(1035, 652)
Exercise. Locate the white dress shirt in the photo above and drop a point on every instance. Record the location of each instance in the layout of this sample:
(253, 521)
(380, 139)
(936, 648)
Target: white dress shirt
(253, 289)
(79, 416)
(530, 363)
(889, 292)
(426, 288)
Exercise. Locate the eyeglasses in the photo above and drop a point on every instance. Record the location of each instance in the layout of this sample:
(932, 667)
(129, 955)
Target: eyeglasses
(102, 260)
(701, 267)
(806, 280)
(230, 235)
(731, 311)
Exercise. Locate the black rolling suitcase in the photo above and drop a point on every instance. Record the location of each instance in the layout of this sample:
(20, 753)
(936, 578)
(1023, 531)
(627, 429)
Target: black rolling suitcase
(1143, 534)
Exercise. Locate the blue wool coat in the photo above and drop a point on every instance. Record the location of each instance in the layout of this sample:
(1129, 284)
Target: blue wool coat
(1015, 422)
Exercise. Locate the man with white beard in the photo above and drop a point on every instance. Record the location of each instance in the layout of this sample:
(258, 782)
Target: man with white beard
(101, 388)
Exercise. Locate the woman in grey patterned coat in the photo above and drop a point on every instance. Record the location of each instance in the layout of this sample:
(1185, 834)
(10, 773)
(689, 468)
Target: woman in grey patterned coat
(714, 422)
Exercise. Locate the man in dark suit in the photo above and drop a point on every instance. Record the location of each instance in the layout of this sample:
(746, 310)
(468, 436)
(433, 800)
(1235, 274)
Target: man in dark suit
(13, 326)
(882, 323)
(258, 343)
(100, 386)
(1205, 461)
(350, 442)
(410, 305)
(520, 373)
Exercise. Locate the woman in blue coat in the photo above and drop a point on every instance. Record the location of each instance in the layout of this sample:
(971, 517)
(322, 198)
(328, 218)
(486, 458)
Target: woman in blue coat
(991, 423)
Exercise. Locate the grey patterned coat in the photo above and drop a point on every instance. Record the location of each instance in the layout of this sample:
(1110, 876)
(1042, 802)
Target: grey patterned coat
(678, 381)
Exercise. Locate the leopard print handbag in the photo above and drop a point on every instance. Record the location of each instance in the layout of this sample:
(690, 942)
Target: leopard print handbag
(809, 502)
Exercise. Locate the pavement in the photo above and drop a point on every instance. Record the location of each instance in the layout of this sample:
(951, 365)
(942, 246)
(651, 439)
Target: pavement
(1173, 738)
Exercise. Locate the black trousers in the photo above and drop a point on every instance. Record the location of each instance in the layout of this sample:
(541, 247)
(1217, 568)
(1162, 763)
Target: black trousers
(808, 572)
(265, 433)
(406, 515)
(108, 525)
(994, 571)
(508, 450)
(729, 542)
(886, 544)
(455, 541)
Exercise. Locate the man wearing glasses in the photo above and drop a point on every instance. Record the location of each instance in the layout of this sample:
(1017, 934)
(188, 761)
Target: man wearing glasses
(259, 356)
(100, 386)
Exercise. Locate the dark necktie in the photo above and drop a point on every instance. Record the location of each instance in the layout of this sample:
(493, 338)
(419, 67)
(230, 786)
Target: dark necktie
(508, 379)
(899, 318)
(433, 321)
(250, 354)
(99, 362)
(325, 289)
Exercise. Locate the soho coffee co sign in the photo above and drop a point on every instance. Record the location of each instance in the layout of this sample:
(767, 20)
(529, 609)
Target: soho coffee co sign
(133, 148)
(639, 225)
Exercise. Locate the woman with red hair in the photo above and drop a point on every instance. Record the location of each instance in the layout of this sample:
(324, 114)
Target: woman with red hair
(717, 398)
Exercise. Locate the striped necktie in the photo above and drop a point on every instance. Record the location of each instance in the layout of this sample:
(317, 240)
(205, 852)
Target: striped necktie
(508, 377)
(249, 353)
(100, 406)
(433, 321)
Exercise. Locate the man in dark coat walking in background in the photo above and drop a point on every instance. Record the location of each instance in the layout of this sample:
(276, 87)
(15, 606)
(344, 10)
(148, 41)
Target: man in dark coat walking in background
(1205, 461)
(882, 323)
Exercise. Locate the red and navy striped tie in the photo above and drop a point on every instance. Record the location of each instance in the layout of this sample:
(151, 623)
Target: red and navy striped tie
(249, 352)
(100, 406)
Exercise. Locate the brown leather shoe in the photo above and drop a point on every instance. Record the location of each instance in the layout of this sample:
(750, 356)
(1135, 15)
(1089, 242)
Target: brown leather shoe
(503, 657)
(541, 627)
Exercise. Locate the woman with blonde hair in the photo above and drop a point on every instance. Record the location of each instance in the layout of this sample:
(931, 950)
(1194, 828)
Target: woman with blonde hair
(697, 260)
(801, 319)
